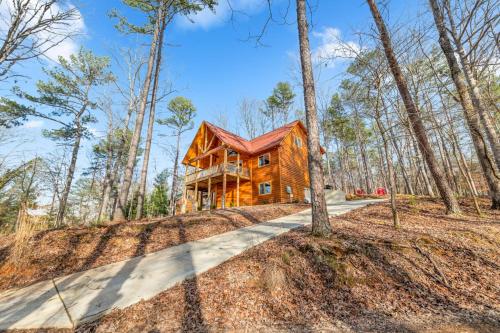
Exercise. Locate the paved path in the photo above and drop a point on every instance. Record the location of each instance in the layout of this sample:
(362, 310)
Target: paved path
(77, 298)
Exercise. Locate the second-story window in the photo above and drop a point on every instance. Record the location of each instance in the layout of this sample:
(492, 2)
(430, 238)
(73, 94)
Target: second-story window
(264, 159)
(298, 141)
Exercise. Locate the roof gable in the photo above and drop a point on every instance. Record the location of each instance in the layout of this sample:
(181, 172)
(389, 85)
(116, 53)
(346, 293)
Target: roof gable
(251, 147)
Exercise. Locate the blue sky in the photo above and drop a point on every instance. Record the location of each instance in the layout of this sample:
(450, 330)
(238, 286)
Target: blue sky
(212, 62)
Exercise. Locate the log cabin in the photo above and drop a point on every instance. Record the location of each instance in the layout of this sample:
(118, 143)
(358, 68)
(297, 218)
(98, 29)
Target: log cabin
(223, 169)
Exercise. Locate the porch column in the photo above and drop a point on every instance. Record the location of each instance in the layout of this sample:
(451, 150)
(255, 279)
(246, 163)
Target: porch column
(184, 191)
(223, 202)
(196, 185)
(238, 180)
(210, 186)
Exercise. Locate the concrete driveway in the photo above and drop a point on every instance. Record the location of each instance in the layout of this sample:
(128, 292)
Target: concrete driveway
(80, 297)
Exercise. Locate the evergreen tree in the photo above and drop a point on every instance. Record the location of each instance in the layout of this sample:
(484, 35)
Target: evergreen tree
(182, 112)
(277, 107)
(67, 94)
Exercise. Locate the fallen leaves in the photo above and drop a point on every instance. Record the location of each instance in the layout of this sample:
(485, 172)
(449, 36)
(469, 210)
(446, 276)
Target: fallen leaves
(366, 277)
(64, 251)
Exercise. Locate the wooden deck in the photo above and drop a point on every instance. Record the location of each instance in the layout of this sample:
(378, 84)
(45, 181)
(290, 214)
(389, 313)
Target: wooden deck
(216, 172)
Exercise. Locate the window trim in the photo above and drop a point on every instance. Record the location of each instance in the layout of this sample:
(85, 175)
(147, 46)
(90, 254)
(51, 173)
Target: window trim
(263, 165)
(270, 187)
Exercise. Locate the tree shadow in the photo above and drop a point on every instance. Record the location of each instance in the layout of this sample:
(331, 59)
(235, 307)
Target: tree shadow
(193, 319)
(100, 247)
(110, 293)
(344, 305)
(252, 219)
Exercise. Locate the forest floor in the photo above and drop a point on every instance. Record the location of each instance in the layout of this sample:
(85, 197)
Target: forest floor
(54, 253)
(437, 273)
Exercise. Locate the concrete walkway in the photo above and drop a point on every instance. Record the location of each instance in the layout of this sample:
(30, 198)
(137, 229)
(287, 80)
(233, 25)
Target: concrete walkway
(77, 298)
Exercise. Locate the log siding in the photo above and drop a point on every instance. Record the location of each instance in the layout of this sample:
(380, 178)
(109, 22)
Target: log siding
(287, 169)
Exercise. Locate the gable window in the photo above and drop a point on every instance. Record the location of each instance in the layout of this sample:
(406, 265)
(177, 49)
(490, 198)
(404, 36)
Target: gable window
(264, 159)
(265, 188)
(298, 141)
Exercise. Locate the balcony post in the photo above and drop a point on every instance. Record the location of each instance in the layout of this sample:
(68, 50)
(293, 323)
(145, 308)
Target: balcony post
(224, 180)
(196, 185)
(238, 180)
(210, 185)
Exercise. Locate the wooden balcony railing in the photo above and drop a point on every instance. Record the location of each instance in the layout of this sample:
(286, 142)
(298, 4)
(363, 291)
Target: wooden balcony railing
(217, 170)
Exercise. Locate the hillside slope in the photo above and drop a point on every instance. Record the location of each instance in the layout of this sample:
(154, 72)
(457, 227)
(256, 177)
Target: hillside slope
(436, 274)
(59, 252)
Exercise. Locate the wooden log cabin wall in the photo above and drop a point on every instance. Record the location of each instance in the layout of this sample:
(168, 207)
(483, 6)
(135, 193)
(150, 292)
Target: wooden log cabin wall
(225, 170)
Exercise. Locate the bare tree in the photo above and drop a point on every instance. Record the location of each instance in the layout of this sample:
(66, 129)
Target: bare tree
(475, 93)
(134, 145)
(151, 122)
(249, 115)
(320, 222)
(414, 117)
(134, 65)
(33, 27)
(470, 114)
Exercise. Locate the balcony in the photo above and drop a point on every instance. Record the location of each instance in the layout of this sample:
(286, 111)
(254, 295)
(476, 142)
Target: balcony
(217, 170)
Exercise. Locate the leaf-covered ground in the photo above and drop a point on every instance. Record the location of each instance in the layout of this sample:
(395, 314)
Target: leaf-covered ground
(435, 274)
(60, 252)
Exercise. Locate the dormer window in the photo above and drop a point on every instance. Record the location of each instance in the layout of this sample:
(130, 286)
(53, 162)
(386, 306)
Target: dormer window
(264, 160)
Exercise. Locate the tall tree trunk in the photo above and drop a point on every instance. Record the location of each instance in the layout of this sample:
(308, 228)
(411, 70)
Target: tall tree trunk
(382, 166)
(320, 222)
(118, 165)
(134, 144)
(421, 166)
(175, 176)
(467, 105)
(343, 186)
(475, 94)
(390, 167)
(69, 177)
(103, 207)
(151, 122)
(457, 152)
(445, 191)
(390, 171)
(400, 154)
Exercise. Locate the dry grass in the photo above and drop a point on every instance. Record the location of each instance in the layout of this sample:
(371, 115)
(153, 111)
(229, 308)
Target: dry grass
(26, 227)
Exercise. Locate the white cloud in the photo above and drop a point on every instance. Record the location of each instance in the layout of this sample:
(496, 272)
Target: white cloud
(61, 47)
(34, 124)
(207, 19)
(70, 45)
(332, 48)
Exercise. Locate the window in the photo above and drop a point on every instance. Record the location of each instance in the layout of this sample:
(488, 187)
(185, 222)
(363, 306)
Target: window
(265, 188)
(298, 142)
(264, 160)
(232, 152)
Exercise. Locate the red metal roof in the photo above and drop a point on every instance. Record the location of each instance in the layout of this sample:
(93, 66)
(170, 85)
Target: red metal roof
(259, 144)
